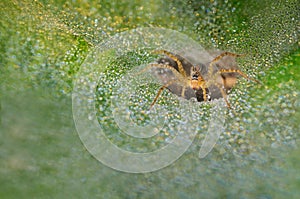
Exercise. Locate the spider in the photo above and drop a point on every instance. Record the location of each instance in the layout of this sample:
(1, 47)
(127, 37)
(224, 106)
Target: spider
(203, 81)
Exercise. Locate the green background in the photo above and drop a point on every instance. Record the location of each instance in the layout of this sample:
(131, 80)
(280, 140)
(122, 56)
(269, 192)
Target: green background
(43, 45)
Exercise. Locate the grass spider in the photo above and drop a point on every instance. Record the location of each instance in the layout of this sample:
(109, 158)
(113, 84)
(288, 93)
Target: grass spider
(202, 81)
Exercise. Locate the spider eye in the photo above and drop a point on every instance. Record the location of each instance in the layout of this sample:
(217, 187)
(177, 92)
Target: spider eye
(195, 77)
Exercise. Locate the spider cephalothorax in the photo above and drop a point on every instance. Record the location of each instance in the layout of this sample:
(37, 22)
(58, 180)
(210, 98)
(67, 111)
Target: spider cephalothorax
(197, 82)
(196, 79)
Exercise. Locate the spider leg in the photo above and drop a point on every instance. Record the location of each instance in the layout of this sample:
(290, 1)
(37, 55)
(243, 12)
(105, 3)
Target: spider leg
(183, 91)
(223, 94)
(224, 54)
(160, 91)
(239, 72)
(204, 93)
(172, 56)
(175, 72)
(229, 70)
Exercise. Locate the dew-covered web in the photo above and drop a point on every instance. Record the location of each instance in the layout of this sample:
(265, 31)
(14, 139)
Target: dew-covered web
(118, 95)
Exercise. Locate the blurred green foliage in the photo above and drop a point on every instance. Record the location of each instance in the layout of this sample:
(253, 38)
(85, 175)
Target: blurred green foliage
(42, 46)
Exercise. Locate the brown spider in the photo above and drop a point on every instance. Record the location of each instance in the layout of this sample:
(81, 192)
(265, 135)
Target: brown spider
(205, 82)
